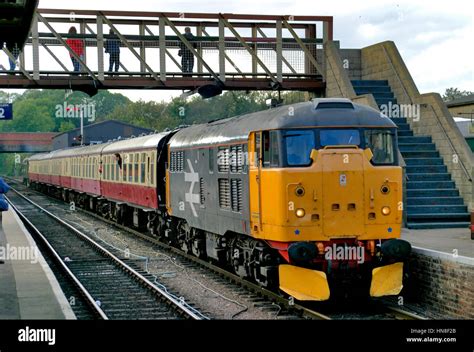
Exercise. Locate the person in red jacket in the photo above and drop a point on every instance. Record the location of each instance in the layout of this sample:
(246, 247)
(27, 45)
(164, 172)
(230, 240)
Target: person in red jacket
(76, 45)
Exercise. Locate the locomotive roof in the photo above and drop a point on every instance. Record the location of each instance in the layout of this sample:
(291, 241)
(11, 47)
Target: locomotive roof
(307, 114)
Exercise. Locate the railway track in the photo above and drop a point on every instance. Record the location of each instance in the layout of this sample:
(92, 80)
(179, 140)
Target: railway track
(403, 314)
(111, 287)
(289, 306)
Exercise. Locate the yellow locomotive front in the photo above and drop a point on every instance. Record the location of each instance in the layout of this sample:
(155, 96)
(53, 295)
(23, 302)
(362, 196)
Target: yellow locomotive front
(330, 200)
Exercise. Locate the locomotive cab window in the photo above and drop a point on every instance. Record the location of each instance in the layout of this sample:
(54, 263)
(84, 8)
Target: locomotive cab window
(258, 153)
(380, 143)
(298, 147)
(339, 137)
(270, 149)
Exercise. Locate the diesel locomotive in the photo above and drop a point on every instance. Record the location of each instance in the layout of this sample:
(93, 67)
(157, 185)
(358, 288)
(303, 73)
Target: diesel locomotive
(306, 198)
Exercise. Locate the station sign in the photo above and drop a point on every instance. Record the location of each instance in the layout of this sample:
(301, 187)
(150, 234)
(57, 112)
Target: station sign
(6, 111)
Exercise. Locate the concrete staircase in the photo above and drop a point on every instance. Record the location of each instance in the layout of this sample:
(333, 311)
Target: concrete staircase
(433, 201)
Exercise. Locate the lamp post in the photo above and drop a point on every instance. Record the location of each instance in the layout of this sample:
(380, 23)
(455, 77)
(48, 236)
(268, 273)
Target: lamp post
(82, 127)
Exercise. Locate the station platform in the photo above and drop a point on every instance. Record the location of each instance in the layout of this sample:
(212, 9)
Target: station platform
(28, 287)
(451, 241)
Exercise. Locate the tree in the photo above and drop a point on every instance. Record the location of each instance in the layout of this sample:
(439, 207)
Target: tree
(8, 97)
(66, 126)
(29, 117)
(7, 163)
(454, 93)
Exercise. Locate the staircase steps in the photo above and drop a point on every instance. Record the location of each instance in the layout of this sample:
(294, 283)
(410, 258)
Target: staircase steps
(433, 201)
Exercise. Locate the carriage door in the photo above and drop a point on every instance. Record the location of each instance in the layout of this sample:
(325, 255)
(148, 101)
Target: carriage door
(255, 165)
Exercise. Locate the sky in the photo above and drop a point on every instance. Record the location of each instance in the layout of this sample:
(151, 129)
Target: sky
(434, 37)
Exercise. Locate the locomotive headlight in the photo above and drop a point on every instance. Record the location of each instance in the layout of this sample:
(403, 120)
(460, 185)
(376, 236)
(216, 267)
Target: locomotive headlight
(385, 210)
(385, 189)
(299, 191)
(300, 212)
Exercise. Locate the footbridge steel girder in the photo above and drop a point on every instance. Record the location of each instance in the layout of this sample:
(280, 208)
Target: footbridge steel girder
(232, 51)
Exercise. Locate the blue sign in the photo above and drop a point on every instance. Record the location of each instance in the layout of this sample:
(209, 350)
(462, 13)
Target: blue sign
(6, 111)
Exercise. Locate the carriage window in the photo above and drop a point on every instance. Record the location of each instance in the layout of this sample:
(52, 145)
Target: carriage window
(339, 137)
(380, 143)
(130, 168)
(142, 168)
(106, 168)
(124, 168)
(298, 144)
(148, 168)
(152, 169)
(112, 167)
(136, 171)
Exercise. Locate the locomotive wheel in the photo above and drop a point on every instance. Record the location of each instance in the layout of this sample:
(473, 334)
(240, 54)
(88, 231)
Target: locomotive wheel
(184, 237)
(198, 247)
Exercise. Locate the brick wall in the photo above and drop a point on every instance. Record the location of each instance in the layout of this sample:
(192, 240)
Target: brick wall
(442, 283)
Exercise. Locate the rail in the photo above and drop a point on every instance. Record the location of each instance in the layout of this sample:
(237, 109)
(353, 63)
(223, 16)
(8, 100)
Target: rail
(176, 303)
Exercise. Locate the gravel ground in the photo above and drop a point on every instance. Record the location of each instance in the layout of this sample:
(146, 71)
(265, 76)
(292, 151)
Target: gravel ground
(208, 292)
